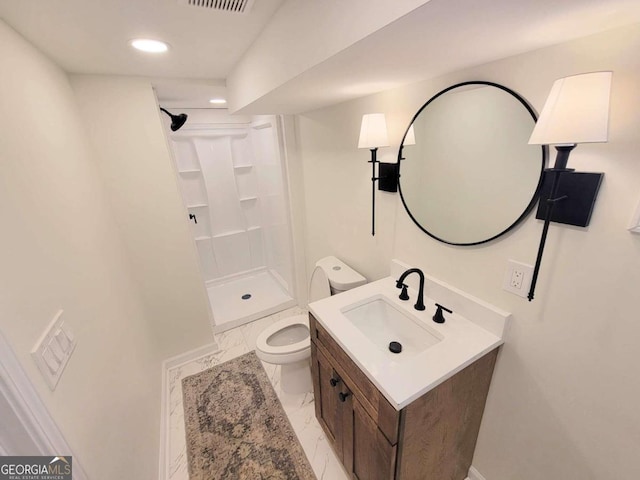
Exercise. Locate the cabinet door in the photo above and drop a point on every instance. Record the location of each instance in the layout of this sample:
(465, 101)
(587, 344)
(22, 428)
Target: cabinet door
(328, 410)
(374, 458)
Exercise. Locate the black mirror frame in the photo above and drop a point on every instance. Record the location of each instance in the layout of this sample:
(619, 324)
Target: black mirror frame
(536, 194)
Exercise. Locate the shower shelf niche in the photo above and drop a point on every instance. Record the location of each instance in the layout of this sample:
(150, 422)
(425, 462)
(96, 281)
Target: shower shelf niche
(198, 205)
(242, 167)
(248, 199)
(202, 238)
(190, 171)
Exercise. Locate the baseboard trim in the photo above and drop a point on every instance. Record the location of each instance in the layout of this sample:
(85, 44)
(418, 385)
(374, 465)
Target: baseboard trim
(167, 365)
(189, 356)
(475, 474)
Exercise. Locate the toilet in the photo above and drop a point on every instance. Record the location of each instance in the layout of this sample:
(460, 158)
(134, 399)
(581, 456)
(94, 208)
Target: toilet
(287, 341)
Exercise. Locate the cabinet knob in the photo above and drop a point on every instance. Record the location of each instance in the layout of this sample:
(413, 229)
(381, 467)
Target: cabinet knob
(334, 381)
(343, 396)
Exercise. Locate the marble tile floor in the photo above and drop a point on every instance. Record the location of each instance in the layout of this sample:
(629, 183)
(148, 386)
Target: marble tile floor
(299, 408)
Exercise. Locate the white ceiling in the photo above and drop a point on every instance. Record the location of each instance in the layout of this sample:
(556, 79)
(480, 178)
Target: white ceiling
(91, 36)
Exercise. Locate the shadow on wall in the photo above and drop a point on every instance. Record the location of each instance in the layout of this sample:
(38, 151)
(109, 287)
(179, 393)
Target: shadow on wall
(561, 451)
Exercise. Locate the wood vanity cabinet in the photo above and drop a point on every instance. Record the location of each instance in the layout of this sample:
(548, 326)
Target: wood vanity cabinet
(433, 438)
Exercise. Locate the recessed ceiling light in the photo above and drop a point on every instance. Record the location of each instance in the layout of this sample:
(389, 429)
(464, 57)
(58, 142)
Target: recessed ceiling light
(218, 101)
(149, 46)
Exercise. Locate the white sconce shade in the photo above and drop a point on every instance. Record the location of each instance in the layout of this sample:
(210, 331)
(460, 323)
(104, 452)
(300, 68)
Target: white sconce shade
(373, 131)
(576, 111)
(410, 137)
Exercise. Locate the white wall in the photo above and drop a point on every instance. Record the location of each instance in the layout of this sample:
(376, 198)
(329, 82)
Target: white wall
(60, 248)
(337, 191)
(563, 402)
(123, 122)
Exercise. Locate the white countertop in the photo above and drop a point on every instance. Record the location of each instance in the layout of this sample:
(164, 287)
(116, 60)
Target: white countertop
(404, 379)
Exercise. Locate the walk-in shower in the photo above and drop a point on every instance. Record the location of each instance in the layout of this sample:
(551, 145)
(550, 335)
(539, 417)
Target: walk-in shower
(233, 184)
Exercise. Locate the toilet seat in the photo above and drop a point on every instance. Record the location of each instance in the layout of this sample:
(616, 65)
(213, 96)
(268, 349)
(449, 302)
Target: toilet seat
(293, 357)
(283, 354)
(293, 352)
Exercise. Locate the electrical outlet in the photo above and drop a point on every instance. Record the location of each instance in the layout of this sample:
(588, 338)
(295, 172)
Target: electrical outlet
(517, 278)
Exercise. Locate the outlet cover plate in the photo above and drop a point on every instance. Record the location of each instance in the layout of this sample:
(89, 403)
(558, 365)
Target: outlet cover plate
(517, 278)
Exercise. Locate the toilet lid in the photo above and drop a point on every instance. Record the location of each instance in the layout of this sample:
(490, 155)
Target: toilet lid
(319, 286)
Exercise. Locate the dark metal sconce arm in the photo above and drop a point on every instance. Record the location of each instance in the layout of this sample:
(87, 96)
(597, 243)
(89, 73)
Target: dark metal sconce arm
(387, 181)
(559, 168)
(373, 161)
(551, 202)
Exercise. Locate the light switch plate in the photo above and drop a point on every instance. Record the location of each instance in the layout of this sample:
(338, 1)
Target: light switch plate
(517, 278)
(53, 350)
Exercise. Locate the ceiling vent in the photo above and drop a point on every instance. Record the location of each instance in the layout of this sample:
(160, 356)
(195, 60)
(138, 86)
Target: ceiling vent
(231, 6)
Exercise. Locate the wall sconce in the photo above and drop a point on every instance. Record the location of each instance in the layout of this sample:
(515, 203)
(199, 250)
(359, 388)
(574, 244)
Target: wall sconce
(373, 134)
(576, 111)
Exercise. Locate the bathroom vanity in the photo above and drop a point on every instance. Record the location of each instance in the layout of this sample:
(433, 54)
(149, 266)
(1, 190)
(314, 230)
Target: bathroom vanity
(394, 417)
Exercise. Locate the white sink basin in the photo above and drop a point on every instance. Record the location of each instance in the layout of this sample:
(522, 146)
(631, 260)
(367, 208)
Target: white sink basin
(382, 322)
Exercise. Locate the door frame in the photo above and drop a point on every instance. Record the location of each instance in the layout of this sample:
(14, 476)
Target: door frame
(29, 410)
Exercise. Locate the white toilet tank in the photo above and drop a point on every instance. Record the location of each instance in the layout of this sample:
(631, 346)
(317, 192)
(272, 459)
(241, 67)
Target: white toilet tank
(338, 277)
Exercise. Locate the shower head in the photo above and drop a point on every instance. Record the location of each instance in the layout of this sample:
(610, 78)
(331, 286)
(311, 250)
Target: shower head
(177, 121)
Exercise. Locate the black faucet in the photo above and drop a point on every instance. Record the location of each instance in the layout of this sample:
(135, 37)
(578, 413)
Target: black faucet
(400, 284)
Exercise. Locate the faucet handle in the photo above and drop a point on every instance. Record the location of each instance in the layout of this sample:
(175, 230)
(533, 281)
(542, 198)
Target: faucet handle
(438, 317)
(404, 295)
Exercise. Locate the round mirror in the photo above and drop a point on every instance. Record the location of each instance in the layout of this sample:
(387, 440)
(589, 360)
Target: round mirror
(467, 174)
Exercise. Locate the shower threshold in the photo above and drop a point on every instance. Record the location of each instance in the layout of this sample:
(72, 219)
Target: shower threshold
(243, 299)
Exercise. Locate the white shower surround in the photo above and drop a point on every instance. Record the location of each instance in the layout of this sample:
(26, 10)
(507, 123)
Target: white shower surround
(232, 179)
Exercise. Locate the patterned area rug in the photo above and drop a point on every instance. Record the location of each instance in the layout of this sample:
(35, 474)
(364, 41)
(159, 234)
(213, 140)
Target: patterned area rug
(236, 427)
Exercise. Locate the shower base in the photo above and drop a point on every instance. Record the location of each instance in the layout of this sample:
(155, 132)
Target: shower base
(246, 298)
